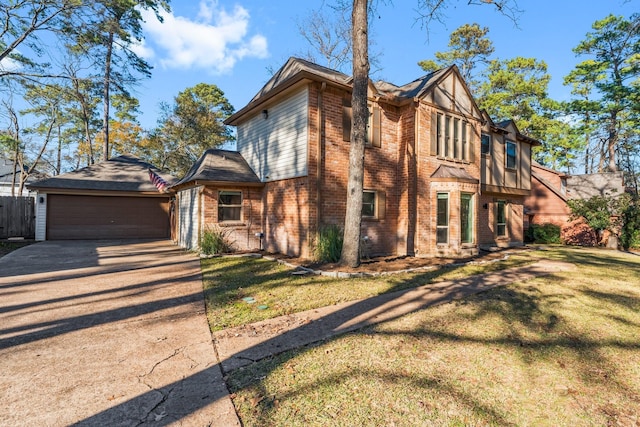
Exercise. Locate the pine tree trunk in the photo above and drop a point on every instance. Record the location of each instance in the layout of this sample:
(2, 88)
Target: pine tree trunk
(107, 81)
(351, 247)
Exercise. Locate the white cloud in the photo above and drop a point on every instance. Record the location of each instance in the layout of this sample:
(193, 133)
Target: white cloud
(216, 41)
(10, 65)
(142, 50)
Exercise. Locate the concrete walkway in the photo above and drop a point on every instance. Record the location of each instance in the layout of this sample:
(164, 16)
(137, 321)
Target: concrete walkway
(107, 334)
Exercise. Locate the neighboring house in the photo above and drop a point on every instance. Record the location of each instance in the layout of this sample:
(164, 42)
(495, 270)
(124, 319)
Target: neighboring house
(551, 190)
(10, 183)
(547, 203)
(428, 191)
(114, 199)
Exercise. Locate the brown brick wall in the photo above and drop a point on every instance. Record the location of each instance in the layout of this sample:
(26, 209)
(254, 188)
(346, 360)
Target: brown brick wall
(286, 217)
(427, 189)
(242, 233)
(487, 220)
(544, 205)
(381, 172)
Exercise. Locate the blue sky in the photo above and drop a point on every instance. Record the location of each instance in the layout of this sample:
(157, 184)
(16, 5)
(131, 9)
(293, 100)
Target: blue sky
(233, 44)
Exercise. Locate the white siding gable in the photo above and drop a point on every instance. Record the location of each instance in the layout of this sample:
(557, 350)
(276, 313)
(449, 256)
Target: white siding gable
(276, 147)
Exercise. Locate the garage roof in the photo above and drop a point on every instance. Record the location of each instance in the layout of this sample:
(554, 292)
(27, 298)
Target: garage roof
(122, 173)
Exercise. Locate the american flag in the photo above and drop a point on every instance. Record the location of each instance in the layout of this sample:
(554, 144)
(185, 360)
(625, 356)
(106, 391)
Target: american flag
(157, 180)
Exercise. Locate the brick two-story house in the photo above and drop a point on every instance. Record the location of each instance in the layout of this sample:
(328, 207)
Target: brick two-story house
(441, 179)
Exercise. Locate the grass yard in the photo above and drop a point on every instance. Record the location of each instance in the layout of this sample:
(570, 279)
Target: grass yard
(228, 280)
(562, 350)
(8, 246)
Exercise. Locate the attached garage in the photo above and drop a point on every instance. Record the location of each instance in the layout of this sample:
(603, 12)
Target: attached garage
(107, 217)
(110, 200)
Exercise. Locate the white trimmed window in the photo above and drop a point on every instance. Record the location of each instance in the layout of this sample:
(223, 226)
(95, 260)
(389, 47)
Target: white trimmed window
(501, 218)
(466, 218)
(442, 221)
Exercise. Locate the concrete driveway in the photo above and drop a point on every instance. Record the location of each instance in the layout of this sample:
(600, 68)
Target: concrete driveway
(106, 333)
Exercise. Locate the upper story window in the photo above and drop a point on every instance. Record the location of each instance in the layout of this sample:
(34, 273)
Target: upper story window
(229, 206)
(465, 147)
(451, 137)
(563, 185)
(510, 154)
(485, 144)
(373, 135)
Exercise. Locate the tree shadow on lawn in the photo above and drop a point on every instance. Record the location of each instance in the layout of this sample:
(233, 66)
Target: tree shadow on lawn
(535, 331)
(248, 277)
(518, 306)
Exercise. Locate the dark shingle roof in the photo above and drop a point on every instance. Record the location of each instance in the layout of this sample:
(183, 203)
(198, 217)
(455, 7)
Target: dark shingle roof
(123, 173)
(414, 89)
(6, 172)
(293, 67)
(595, 184)
(220, 166)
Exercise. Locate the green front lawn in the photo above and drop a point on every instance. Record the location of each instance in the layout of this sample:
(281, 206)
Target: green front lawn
(229, 280)
(562, 350)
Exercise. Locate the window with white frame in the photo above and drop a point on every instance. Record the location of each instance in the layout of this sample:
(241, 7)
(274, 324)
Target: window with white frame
(501, 218)
(442, 221)
(466, 218)
(229, 206)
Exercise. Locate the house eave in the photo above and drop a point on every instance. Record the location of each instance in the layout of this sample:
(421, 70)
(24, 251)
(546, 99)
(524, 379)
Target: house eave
(85, 192)
(209, 183)
(300, 79)
(486, 188)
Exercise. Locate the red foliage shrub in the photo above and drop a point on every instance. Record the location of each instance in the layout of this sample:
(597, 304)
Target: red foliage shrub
(578, 233)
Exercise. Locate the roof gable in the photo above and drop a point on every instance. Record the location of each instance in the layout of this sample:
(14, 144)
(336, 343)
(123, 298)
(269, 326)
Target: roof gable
(220, 166)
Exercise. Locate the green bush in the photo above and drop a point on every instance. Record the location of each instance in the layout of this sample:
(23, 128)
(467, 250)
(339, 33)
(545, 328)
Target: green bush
(630, 233)
(215, 240)
(328, 244)
(545, 233)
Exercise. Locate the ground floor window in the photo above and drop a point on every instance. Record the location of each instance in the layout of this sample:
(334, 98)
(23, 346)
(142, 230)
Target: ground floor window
(466, 218)
(369, 204)
(229, 206)
(501, 218)
(442, 225)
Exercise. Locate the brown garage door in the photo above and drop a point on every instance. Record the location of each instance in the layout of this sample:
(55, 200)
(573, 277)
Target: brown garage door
(106, 217)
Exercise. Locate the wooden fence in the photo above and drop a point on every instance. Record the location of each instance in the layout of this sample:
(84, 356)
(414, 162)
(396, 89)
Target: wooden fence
(17, 217)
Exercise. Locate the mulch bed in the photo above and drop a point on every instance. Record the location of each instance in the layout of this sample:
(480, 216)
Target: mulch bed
(395, 263)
